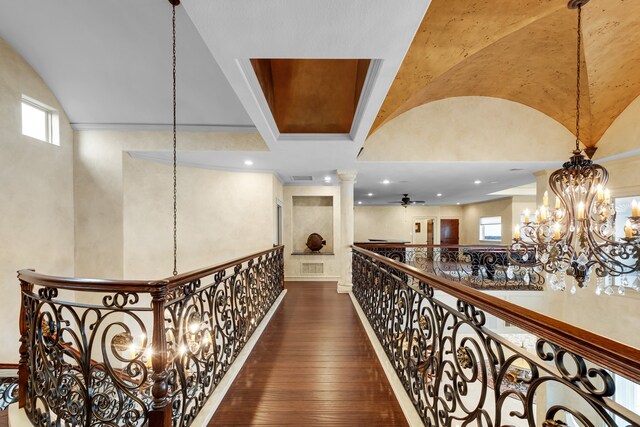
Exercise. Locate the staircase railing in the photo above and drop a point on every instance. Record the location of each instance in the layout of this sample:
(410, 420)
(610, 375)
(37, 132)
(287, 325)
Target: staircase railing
(486, 267)
(458, 372)
(136, 353)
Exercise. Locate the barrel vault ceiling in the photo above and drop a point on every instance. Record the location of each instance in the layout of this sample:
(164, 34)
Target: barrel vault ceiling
(108, 63)
(524, 51)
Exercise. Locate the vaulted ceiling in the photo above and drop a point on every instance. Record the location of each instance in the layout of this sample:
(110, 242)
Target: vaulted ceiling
(481, 83)
(524, 51)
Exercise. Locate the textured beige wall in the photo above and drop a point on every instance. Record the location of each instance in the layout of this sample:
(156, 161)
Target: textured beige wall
(221, 216)
(98, 181)
(293, 263)
(396, 222)
(483, 128)
(36, 197)
(470, 226)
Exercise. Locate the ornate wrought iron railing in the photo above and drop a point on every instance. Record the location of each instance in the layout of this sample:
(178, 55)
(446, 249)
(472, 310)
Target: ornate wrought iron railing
(478, 266)
(134, 353)
(8, 385)
(458, 372)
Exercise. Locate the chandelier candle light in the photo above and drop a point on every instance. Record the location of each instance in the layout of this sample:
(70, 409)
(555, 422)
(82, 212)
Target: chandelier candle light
(577, 237)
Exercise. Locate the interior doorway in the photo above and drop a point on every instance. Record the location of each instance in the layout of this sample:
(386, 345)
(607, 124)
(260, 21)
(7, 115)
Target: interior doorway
(279, 223)
(424, 230)
(449, 231)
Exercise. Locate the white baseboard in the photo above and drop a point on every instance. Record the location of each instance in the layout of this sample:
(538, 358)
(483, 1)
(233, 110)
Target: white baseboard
(410, 413)
(18, 417)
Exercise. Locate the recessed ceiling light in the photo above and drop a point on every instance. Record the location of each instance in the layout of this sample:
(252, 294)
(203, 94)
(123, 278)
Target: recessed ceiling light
(248, 163)
(327, 179)
(477, 181)
(386, 181)
(359, 202)
(458, 203)
(370, 194)
(439, 194)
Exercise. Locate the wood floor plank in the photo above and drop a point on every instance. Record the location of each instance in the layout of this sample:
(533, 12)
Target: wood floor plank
(313, 366)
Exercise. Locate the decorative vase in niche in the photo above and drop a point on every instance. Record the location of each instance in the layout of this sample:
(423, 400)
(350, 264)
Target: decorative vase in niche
(315, 242)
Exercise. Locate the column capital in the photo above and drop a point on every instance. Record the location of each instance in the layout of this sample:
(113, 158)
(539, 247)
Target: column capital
(347, 174)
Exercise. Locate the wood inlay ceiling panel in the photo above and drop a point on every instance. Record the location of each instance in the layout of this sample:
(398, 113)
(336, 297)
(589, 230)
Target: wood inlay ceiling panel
(524, 51)
(312, 95)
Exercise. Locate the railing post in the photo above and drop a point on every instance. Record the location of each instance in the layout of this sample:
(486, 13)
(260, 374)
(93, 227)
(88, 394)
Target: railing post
(160, 414)
(23, 367)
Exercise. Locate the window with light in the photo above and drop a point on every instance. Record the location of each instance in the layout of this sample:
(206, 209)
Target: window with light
(491, 228)
(39, 121)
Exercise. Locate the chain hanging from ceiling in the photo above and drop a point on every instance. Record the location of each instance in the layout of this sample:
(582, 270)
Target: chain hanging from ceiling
(577, 237)
(174, 3)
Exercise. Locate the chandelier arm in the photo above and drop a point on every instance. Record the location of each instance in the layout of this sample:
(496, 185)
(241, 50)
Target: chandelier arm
(609, 261)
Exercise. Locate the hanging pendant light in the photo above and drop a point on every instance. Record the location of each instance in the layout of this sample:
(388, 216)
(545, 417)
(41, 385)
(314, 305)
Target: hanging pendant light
(577, 237)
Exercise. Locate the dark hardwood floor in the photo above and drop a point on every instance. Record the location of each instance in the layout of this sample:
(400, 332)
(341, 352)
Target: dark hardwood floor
(313, 366)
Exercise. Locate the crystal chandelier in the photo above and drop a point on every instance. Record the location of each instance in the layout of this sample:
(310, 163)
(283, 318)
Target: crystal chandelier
(577, 237)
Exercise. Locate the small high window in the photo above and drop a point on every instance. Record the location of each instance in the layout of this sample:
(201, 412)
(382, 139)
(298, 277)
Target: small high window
(491, 228)
(40, 121)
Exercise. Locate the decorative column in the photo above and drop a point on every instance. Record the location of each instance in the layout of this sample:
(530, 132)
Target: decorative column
(347, 180)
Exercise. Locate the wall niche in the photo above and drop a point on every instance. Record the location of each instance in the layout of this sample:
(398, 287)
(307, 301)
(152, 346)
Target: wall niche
(312, 214)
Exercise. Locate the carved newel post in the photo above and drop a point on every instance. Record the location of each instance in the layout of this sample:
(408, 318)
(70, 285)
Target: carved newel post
(23, 366)
(160, 414)
(347, 181)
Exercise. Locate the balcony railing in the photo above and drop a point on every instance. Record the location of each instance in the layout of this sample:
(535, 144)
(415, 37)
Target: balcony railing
(457, 372)
(134, 353)
(478, 266)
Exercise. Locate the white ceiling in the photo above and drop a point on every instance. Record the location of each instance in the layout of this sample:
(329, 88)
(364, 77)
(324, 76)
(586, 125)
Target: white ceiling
(108, 62)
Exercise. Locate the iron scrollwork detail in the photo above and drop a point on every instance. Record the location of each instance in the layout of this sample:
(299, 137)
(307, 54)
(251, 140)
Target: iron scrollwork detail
(457, 372)
(479, 267)
(93, 364)
(207, 327)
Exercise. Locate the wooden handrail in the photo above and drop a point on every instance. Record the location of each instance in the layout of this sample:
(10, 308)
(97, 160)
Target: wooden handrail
(9, 366)
(605, 352)
(106, 285)
(421, 245)
(183, 278)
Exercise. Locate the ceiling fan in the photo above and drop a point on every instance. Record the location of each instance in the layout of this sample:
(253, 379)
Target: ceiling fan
(406, 201)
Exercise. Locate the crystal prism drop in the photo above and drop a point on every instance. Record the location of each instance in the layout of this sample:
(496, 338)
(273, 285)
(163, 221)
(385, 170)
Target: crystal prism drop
(526, 278)
(510, 272)
(572, 228)
(621, 290)
(582, 259)
(553, 281)
(636, 284)
(573, 289)
(609, 290)
(525, 257)
(598, 290)
(544, 258)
